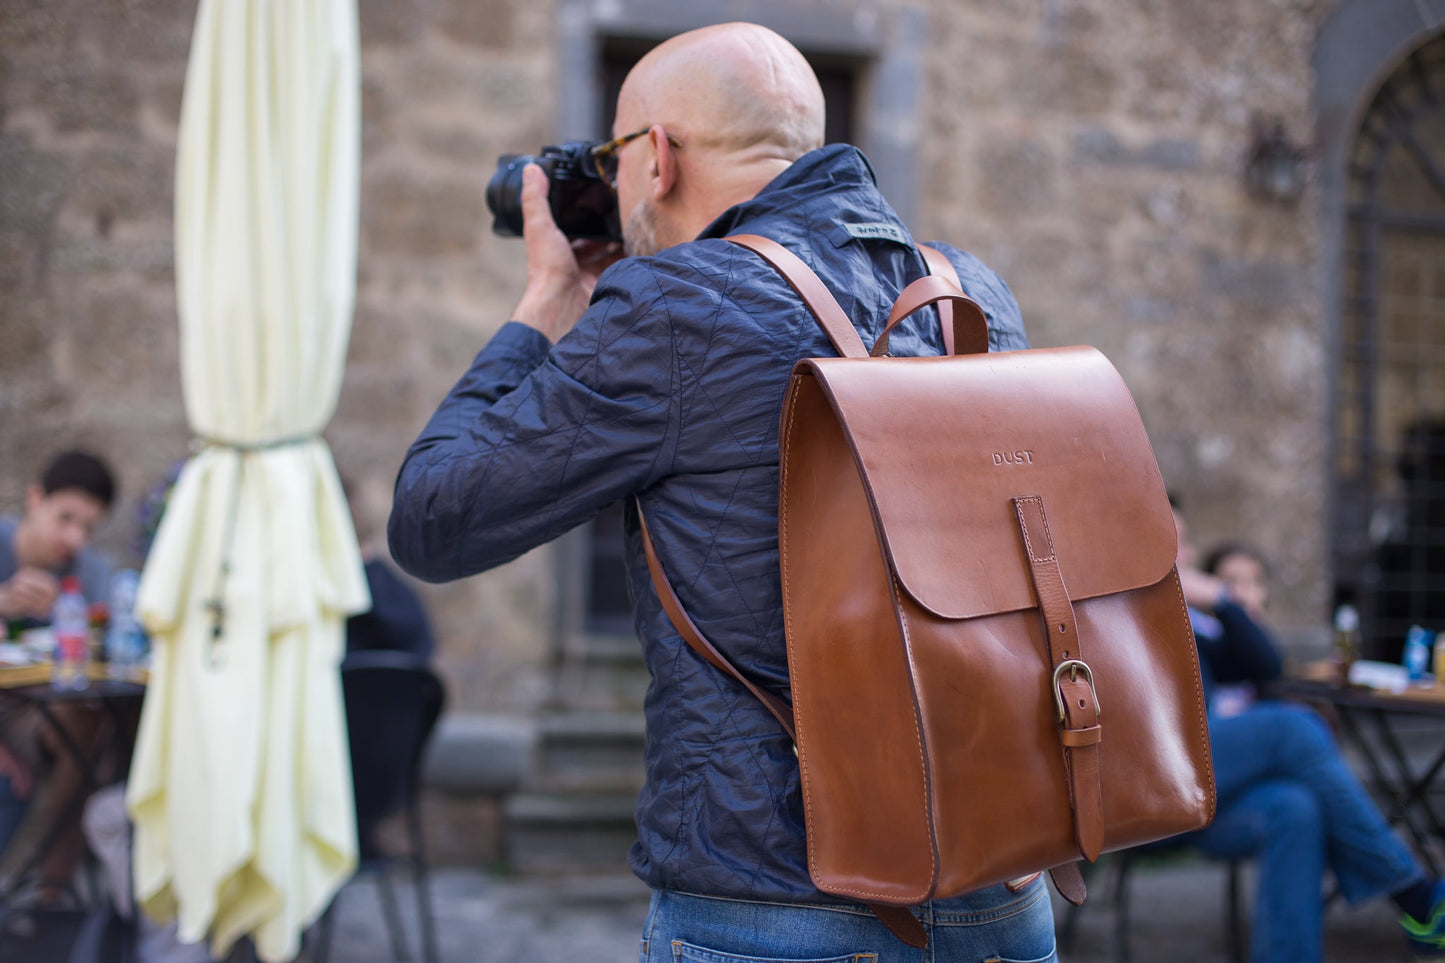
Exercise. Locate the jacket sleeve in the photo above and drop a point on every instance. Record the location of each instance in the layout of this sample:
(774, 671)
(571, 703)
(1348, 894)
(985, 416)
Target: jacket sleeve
(1244, 651)
(535, 440)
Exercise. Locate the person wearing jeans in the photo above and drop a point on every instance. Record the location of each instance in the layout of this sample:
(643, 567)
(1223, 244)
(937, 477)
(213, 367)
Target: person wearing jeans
(658, 380)
(684, 928)
(1287, 798)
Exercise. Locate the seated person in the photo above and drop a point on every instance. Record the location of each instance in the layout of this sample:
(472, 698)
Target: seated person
(47, 542)
(1287, 797)
(1245, 575)
(396, 619)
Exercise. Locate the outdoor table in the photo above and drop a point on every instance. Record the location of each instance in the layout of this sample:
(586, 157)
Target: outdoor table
(29, 687)
(1370, 721)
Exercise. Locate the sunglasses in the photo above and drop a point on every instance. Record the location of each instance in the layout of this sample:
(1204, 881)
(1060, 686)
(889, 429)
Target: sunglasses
(604, 155)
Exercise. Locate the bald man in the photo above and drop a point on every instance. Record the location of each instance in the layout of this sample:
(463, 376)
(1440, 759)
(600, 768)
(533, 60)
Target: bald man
(660, 376)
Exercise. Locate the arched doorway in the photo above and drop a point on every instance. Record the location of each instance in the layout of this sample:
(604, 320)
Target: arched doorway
(1388, 419)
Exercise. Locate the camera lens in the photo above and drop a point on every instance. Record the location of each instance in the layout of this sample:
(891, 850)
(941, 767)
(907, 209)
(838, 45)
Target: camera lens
(504, 194)
(583, 206)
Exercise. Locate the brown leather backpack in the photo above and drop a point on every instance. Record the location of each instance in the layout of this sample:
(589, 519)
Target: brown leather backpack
(991, 663)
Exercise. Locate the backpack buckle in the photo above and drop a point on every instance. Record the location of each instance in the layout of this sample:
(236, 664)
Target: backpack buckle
(1074, 667)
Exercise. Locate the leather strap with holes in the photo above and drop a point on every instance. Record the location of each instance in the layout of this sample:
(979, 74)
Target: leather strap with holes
(1072, 680)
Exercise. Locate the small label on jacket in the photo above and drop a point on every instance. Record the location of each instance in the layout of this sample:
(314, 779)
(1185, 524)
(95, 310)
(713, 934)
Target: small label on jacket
(877, 231)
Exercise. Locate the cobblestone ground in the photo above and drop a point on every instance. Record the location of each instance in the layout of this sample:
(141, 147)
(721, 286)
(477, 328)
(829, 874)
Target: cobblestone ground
(484, 918)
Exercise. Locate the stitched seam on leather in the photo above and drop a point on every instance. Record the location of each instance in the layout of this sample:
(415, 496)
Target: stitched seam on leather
(1023, 527)
(790, 406)
(1199, 695)
(798, 699)
(933, 855)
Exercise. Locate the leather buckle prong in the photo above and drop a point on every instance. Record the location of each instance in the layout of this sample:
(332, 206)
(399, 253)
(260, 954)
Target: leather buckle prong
(1074, 667)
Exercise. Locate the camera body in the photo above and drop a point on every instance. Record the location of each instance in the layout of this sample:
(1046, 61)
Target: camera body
(583, 205)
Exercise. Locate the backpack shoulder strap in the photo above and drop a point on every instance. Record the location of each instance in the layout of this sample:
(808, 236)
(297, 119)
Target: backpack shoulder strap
(811, 289)
(699, 643)
(940, 265)
(973, 336)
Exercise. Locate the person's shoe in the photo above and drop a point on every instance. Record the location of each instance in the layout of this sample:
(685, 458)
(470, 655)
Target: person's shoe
(1427, 938)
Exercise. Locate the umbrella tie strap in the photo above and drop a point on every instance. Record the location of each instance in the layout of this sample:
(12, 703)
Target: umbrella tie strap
(216, 604)
(251, 447)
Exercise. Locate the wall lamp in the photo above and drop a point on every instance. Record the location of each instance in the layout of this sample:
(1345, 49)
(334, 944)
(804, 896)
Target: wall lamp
(1276, 169)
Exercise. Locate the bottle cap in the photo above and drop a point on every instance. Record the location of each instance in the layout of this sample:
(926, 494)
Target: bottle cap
(70, 583)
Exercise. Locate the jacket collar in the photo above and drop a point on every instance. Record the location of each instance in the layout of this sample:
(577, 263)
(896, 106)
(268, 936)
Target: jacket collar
(831, 170)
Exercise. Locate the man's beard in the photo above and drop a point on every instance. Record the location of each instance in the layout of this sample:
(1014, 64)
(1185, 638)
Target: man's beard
(639, 235)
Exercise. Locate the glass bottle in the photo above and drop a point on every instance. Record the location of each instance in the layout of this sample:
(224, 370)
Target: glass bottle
(1346, 642)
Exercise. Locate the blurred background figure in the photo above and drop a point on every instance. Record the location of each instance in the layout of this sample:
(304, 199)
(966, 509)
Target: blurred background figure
(1245, 575)
(397, 620)
(1286, 797)
(38, 548)
(47, 542)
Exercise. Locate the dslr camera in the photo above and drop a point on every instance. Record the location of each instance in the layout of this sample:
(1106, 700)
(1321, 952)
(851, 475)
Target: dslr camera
(583, 204)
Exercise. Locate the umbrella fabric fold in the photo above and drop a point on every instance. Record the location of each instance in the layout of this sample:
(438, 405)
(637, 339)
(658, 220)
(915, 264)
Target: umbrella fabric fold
(240, 787)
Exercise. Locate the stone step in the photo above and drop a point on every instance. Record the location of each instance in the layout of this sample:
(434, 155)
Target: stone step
(565, 833)
(476, 754)
(589, 751)
(605, 674)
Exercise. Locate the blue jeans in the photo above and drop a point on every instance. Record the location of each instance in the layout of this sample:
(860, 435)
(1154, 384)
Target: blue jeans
(1287, 797)
(990, 925)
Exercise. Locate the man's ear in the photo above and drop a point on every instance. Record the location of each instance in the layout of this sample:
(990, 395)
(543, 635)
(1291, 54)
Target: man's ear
(664, 163)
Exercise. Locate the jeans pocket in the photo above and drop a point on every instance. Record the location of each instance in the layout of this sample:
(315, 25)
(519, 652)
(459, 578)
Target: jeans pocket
(1053, 957)
(688, 953)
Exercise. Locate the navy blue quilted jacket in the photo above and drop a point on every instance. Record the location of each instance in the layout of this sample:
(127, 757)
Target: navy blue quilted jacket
(670, 388)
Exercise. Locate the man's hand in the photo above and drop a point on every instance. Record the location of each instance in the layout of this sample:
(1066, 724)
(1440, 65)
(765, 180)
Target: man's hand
(560, 273)
(30, 593)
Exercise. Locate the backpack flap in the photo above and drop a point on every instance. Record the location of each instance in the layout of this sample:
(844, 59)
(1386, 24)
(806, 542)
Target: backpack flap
(945, 444)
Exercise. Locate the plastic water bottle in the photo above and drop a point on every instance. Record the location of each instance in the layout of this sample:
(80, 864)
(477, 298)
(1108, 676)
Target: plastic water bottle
(1417, 652)
(72, 637)
(125, 641)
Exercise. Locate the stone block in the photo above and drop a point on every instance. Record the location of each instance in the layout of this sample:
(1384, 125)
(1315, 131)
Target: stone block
(491, 26)
(472, 754)
(1098, 145)
(122, 182)
(419, 217)
(76, 97)
(33, 183)
(152, 31)
(389, 22)
(1016, 176)
(456, 830)
(47, 23)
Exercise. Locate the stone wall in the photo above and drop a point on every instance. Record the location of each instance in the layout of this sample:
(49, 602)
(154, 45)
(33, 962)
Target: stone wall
(1091, 150)
(1093, 153)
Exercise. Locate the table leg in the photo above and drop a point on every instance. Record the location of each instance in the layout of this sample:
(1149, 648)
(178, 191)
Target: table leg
(1406, 792)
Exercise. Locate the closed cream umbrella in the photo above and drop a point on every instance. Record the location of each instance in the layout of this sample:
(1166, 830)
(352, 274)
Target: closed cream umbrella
(240, 788)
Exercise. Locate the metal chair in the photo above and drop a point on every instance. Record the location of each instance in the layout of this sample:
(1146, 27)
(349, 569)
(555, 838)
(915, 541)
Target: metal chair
(393, 700)
(1124, 863)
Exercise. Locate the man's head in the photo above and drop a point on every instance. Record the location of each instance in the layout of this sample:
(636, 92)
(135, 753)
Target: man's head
(743, 104)
(1244, 570)
(62, 509)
